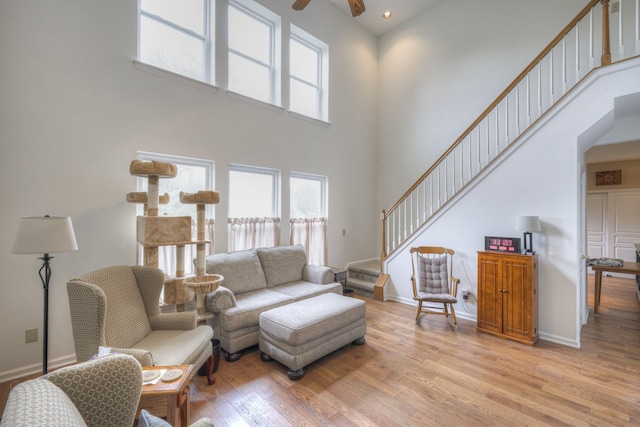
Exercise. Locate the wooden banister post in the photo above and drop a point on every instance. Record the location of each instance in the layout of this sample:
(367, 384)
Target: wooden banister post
(606, 44)
(383, 254)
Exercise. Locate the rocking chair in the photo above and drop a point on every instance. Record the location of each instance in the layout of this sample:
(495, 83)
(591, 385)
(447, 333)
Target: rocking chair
(435, 282)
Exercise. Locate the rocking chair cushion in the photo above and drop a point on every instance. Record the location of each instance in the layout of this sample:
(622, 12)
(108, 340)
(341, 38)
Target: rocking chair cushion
(444, 298)
(433, 276)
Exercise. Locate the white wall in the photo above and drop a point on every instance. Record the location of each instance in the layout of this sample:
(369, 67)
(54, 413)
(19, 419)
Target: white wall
(74, 111)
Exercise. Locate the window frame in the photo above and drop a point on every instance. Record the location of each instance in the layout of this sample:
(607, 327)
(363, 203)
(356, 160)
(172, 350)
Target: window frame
(324, 193)
(322, 89)
(276, 181)
(208, 39)
(209, 166)
(273, 22)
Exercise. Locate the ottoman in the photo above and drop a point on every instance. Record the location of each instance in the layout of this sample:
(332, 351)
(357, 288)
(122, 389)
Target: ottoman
(300, 333)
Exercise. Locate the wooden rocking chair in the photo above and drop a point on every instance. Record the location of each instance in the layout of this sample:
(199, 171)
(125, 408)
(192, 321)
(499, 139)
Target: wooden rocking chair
(434, 282)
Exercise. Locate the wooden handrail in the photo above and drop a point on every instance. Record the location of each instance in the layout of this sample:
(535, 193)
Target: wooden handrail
(504, 93)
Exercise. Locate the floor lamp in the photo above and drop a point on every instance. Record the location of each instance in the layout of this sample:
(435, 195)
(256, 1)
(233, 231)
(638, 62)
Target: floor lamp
(45, 235)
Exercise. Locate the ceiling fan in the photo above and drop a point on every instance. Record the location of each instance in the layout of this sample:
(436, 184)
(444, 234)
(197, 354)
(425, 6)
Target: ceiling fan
(357, 6)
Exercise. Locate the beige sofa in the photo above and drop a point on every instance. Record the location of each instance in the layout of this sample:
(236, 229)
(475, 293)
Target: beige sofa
(258, 280)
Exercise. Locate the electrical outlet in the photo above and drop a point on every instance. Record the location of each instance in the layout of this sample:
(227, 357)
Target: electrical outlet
(31, 335)
(615, 7)
(465, 294)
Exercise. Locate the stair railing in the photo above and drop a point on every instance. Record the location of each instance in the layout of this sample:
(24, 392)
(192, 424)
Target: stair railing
(568, 59)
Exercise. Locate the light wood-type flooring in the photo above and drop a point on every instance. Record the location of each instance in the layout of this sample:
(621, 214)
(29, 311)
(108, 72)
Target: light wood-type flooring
(429, 375)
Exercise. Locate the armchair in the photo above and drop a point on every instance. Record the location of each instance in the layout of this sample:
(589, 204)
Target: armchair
(101, 392)
(118, 307)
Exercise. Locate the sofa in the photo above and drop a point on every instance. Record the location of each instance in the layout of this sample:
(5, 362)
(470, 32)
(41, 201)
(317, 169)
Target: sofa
(257, 280)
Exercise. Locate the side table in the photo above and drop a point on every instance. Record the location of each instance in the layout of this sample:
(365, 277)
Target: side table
(340, 275)
(175, 395)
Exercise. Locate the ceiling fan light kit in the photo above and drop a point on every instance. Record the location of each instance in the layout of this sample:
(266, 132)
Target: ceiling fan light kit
(356, 6)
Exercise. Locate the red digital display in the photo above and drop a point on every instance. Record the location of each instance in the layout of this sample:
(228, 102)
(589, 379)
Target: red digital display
(502, 244)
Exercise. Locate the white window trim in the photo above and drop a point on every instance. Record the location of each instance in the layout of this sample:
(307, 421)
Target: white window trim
(275, 173)
(324, 181)
(322, 48)
(273, 21)
(208, 39)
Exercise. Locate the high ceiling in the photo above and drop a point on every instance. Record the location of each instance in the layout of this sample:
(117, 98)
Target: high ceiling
(372, 20)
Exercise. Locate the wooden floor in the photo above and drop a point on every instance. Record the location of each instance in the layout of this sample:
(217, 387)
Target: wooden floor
(429, 375)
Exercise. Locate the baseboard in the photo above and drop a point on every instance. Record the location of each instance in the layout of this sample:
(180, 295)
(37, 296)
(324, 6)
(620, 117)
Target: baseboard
(36, 368)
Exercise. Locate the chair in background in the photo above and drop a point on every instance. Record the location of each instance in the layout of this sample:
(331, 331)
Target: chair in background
(118, 307)
(433, 281)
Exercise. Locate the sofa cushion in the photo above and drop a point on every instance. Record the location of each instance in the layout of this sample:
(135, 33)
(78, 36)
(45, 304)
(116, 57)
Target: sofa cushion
(282, 264)
(175, 347)
(250, 305)
(241, 270)
(38, 403)
(300, 290)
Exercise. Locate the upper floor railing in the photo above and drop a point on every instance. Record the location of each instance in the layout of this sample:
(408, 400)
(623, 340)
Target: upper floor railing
(568, 59)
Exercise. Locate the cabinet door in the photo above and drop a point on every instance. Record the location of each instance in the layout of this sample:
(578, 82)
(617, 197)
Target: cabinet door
(517, 301)
(489, 296)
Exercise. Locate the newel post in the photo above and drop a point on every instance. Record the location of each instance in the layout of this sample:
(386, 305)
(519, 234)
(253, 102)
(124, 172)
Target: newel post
(383, 254)
(606, 44)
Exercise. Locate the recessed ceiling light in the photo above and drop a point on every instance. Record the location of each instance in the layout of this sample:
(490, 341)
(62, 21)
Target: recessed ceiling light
(386, 14)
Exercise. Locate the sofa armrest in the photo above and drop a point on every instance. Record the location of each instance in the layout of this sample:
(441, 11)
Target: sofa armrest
(318, 274)
(220, 299)
(105, 391)
(183, 320)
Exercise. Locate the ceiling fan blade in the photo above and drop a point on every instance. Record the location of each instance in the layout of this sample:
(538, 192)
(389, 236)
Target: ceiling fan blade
(357, 7)
(300, 4)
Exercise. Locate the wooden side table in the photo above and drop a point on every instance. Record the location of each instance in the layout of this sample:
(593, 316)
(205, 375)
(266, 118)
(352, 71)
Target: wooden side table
(172, 396)
(340, 275)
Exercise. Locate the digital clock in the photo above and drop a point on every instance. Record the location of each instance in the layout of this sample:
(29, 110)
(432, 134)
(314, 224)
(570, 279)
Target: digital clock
(502, 244)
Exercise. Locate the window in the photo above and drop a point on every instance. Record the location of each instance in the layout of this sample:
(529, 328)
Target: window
(176, 36)
(308, 215)
(253, 54)
(193, 175)
(308, 195)
(254, 200)
(308, 70)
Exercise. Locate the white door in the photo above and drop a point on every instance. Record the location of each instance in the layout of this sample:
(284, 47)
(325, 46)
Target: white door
(613, 225)
(624, 224)
(596, 225)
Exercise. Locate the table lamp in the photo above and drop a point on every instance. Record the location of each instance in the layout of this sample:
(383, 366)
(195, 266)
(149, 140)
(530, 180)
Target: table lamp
(45, 235)
(528, 225)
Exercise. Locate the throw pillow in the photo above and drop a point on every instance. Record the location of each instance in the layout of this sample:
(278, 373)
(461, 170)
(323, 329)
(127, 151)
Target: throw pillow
(148, 420)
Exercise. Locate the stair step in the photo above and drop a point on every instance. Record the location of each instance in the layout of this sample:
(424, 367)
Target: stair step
(360, 287)
(362, 277)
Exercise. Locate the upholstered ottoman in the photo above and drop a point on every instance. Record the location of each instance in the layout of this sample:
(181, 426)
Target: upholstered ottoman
(300, 333)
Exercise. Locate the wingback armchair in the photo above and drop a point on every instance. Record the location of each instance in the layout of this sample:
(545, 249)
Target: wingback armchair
(117, 307)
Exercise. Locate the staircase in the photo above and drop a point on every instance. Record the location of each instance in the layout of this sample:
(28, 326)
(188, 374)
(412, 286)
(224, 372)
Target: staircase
(564, 63)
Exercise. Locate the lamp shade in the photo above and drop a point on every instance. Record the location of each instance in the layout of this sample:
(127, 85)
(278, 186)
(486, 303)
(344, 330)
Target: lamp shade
(529, 223)
(44, 235)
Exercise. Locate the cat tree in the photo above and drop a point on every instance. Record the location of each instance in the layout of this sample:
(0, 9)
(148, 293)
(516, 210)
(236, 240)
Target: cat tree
(154, 231)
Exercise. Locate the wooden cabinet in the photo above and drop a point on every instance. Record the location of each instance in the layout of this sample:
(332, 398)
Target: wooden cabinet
(508, 296)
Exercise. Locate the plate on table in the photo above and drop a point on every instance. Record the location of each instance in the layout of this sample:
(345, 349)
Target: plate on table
(171, 375)
(150, 375)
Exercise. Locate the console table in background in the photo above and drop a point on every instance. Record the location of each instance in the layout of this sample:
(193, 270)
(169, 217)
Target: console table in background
(627, 268)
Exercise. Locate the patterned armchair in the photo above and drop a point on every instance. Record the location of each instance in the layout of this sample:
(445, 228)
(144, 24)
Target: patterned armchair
(101, 392)
(117, 307)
